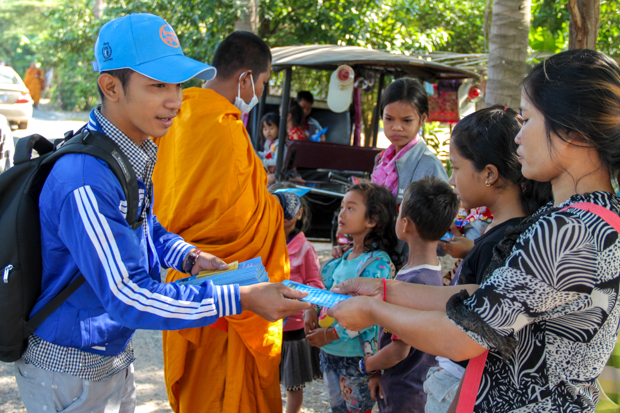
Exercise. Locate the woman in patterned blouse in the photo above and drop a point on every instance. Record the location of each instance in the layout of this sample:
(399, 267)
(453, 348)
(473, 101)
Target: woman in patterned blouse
(548, 308)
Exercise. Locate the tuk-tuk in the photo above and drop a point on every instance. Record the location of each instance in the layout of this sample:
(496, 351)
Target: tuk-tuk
(330, 166)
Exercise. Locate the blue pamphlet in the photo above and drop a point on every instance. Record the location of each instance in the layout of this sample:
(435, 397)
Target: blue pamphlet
(447, 237)
(245, 273)
(317, 296)
(297, 191)
(317, 136)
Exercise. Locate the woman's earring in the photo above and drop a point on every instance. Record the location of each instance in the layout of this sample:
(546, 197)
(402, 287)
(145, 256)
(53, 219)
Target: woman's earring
(487, 183)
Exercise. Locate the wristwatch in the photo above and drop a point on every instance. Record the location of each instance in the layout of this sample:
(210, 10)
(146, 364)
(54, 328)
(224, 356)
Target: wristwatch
(190, 260)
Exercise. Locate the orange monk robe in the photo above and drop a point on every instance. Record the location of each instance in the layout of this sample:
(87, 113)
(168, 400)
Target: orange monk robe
(35, 82)
(210, 188)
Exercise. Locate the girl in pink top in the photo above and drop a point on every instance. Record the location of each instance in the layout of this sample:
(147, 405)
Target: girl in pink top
(300, 361)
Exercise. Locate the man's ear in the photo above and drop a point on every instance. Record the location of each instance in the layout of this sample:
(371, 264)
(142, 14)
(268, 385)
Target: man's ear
(110, 86)
(245, 80)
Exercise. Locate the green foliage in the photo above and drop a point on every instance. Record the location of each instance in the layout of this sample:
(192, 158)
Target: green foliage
(20, 42)
(437, 139)
(67, 46)
(64, 37)
(549, 27)
(609, 29)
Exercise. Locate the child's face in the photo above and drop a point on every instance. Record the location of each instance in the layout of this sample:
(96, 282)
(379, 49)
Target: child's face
(146, 107)
(352, 219)
(289, 225)
(468, 183)
(270, 131)
(401, 123)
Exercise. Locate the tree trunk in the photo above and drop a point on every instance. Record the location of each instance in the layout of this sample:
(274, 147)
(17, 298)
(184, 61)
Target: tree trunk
(98, 8)
(508, 43)
(584, 22)
(249, 16)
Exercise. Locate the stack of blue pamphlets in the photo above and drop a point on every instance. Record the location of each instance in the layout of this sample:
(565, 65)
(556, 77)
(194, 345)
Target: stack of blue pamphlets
(244, 273)
(317, 296)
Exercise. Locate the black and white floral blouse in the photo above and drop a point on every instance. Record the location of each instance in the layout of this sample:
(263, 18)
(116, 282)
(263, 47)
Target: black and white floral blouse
(550, 316)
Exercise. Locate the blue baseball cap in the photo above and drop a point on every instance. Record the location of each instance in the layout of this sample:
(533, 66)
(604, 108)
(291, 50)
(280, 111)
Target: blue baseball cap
(148, 45)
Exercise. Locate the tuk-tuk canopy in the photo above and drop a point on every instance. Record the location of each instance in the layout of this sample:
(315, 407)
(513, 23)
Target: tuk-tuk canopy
(329, 57)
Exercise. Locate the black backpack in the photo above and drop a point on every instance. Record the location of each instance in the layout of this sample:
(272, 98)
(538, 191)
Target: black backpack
(20, 251)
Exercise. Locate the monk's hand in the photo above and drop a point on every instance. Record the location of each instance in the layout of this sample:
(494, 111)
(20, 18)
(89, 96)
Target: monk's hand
(311, 320)
(354, 313)
(372, 287)
(272, 301)
(206, 262)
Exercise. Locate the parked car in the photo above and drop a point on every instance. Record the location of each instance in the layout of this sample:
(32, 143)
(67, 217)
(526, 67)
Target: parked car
(7, 145)
(329, 167)
(15, 101)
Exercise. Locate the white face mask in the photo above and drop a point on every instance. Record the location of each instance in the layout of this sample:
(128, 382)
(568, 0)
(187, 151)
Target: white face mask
(240, 103)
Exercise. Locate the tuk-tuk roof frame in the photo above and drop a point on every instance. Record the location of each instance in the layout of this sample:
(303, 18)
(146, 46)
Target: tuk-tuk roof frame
(329, 57)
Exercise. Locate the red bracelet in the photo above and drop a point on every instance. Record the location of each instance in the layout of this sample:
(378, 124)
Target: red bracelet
(383, 289)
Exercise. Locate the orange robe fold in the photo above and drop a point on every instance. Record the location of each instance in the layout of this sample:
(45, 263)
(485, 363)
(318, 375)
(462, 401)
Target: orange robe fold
(210, 188)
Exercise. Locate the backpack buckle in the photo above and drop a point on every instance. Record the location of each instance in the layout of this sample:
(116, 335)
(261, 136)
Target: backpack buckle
(5, 275)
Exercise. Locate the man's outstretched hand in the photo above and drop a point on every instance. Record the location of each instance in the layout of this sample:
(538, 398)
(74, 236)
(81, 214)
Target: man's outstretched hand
(272, 301)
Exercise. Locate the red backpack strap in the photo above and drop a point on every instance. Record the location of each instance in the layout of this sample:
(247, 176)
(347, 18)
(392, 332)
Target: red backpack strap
(475, 368)
(471, 383)
(606, 215)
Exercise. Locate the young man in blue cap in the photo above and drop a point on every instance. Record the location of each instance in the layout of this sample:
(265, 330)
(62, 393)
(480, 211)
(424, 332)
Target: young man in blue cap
(80, 358)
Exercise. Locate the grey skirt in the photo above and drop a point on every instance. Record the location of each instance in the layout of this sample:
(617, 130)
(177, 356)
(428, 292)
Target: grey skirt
(300, 361)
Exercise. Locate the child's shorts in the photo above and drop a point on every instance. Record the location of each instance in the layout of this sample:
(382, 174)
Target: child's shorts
(300, 361)
(347, 388)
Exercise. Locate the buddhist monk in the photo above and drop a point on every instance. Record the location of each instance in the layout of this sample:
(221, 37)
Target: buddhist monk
(210, 188)
(35, 82)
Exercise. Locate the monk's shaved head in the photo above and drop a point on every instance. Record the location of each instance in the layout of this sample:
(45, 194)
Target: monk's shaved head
(241, 51)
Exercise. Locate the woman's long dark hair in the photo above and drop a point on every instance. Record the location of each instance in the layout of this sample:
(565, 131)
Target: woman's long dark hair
(487, 137)
(578, 94)
(380, 207)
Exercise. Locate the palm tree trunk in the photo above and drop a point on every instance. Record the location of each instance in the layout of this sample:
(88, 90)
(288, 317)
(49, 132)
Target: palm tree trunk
(507, 52)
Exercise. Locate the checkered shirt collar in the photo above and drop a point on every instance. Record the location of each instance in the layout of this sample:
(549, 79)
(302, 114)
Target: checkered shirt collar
(142, 158)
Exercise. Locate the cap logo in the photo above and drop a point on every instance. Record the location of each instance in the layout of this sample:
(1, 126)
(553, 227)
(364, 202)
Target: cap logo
(168, 36)
(106, 51)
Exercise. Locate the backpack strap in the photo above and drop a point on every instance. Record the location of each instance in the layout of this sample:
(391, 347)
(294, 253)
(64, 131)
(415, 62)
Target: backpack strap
(24, 147)
(102, 147)
(475, 368)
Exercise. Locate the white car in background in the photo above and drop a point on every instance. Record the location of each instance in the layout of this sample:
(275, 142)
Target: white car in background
(7, 144)
(15, 101)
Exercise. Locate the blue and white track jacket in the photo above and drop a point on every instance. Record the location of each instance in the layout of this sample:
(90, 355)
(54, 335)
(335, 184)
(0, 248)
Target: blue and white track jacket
(83, 228)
